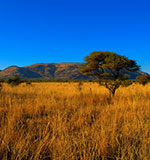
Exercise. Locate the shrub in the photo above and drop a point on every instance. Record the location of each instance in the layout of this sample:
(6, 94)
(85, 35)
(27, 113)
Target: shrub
(144, 79)
(28, 83)
(13, 81)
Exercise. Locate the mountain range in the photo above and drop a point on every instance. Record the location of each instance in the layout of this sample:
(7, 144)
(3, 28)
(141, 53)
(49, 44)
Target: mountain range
(61, 71)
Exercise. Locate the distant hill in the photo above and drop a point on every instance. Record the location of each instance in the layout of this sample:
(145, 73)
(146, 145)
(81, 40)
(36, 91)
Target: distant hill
(62, 71)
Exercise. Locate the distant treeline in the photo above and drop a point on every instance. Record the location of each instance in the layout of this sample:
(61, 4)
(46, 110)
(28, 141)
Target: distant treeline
(17, 80)
(53, 80)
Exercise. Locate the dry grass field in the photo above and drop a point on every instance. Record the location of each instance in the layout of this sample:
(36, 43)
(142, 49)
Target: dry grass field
(65, 121)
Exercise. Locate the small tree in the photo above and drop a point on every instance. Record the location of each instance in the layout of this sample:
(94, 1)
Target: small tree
(143, 79)
(109, 68)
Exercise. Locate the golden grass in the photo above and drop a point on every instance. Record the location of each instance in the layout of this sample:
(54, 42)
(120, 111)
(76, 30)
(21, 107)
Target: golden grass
(60, 121)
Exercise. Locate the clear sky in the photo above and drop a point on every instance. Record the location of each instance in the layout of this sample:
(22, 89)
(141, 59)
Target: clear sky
(41, 31)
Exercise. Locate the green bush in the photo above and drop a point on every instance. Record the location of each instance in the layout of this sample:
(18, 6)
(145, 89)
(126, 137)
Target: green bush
(144, 79)
(13, 81)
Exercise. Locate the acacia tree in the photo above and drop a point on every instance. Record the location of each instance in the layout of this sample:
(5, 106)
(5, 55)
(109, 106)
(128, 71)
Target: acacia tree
(110, 69)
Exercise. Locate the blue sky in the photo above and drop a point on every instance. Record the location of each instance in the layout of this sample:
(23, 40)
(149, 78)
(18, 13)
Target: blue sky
(41, 31)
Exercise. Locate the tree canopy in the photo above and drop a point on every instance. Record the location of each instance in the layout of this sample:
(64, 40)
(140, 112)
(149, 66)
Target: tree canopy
(106, 66)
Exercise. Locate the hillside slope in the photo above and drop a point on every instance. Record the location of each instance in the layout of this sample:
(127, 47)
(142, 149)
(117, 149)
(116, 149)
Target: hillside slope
(66, 71)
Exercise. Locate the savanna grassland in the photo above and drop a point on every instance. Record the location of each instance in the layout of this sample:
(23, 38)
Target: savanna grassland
(72, 121)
